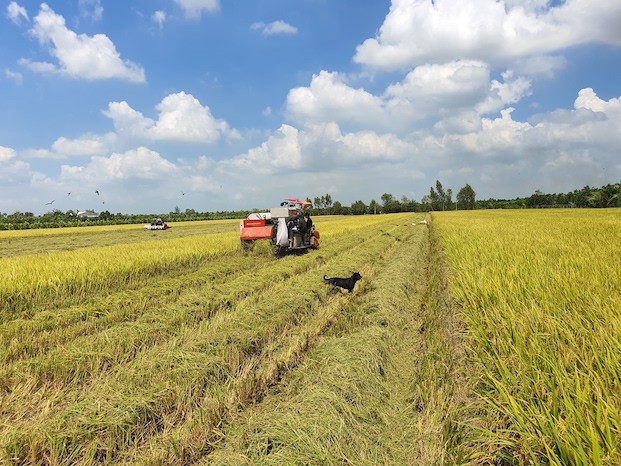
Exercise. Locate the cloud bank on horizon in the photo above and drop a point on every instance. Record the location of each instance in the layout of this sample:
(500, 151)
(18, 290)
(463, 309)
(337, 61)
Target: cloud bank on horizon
(238, 107)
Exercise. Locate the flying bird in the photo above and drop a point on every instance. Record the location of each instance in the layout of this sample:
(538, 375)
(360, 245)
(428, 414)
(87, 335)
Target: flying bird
(97, 192)
(69, 193)
(50, 203)
(182, 193)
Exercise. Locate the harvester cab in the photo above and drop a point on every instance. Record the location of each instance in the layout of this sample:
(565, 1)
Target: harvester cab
(288, 227)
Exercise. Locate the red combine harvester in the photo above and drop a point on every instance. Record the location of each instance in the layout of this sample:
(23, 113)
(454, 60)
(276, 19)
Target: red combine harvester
(289, 228)
(158, 224)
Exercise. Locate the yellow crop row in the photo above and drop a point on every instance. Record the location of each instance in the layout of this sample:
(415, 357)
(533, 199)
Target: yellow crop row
(10, 234)
(540, 293)
(28, 280)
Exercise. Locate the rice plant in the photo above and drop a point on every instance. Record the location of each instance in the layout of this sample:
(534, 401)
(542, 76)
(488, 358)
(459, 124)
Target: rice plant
(540, 293)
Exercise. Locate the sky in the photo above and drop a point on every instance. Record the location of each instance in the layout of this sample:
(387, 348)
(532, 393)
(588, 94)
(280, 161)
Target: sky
(147, 106)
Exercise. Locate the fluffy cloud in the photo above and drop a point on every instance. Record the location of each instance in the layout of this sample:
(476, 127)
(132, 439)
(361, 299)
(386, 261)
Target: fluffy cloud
(275, 27)
(329, 98)
(437, 90)
(319, 147)
(10, 168)
(79, 56)
(181, 118)
(6, 153)
(280, 153)
(427, 93)
(84, 146)
(588, 99)
(194, 8)
(140, 163)
(419, 31)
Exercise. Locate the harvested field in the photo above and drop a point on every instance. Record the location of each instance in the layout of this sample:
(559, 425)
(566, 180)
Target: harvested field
(153, 351)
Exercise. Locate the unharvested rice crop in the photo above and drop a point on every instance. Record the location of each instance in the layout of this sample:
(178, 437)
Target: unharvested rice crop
(540, 294)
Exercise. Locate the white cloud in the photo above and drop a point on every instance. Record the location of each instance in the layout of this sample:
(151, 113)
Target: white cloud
(194, 8)
(432, 90)
(85, 146)
(181, 118)
(543, 66)
(319, 147)
(419, 31)
(329, 98)
(426, 94)
(11, 169)
(79, 56)
(274, 28)
(6, 153)
(280, 153)
(587, 98)
(140, 163)
(127, 121)
(17, 13)
(159, 18)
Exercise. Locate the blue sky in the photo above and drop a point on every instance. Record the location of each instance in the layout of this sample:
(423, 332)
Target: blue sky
(223, 105)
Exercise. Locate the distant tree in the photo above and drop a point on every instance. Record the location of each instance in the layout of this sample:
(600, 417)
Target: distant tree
(358, 208)
(338, 209)
(466, 198)
(328, 200)
(438, 198)
(448, 199)
(374, 207)
(434, 200)
(387, 198)
(537, 199)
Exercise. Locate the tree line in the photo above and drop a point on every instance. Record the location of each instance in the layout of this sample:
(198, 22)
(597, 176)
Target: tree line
(438, 199)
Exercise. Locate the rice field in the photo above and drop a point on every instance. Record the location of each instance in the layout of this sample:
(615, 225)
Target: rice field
(539, 293)
(487, 337)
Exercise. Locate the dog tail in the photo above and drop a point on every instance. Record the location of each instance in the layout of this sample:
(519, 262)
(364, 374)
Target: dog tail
(325, 277)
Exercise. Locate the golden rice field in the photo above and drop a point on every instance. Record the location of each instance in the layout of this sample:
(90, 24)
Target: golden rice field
(487, 337)
(540, 296)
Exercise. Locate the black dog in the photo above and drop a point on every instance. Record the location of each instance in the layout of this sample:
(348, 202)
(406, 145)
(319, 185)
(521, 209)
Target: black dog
(347, 283)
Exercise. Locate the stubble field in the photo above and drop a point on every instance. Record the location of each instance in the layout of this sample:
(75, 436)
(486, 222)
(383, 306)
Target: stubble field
(135, 347)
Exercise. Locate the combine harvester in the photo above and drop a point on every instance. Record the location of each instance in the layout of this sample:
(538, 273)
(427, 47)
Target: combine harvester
(288, 227)
(158, 224)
